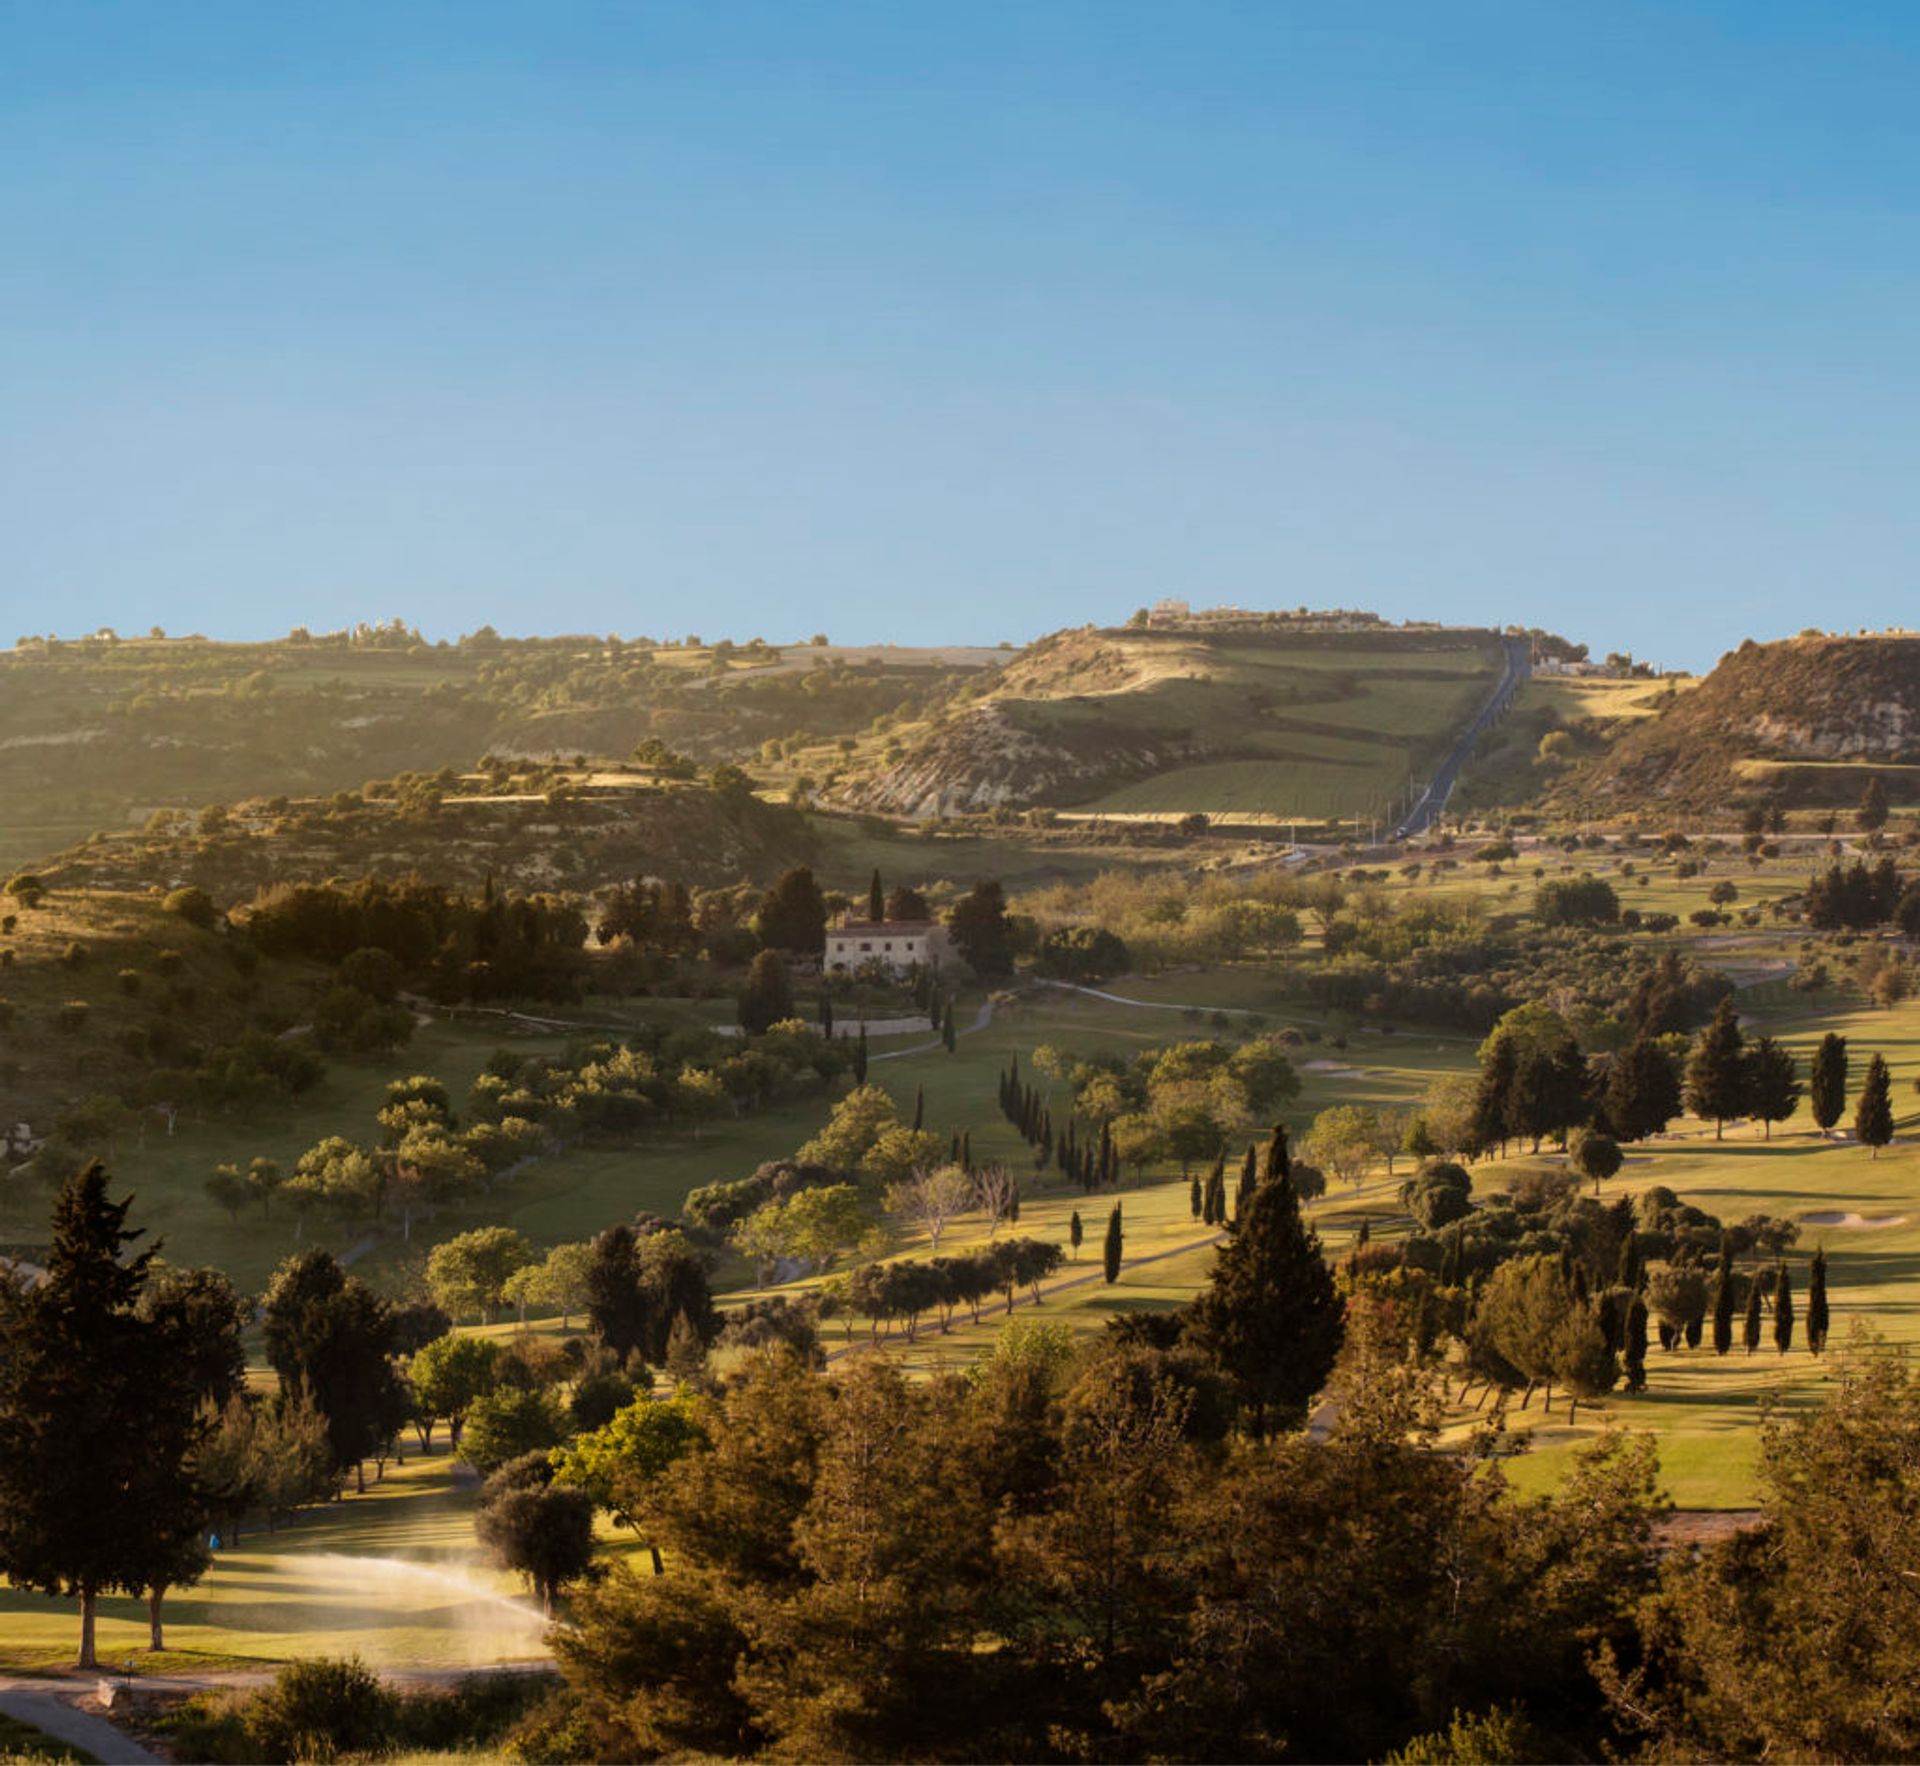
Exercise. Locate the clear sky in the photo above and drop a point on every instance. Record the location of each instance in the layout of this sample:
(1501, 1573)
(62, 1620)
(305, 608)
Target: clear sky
(932, 321)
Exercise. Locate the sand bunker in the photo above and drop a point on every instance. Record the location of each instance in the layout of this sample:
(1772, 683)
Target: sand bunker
(1833, 1217)
(1333, 1069)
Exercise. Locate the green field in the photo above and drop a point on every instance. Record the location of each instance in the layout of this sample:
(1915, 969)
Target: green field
(394, 1576)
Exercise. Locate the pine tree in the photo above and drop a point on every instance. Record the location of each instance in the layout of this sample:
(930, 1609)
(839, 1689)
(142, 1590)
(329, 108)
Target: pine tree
(1269, 1317)
(1829, 1081)
(1115, 1242)
(1773, 1082)
(1873, 1116)
(876, 898)
(1075, 1233)
(1817, 1320)
(1717, 1070)
(98, 1419)
(1750, 1334)
(1642, 1095)
(1782, 1310)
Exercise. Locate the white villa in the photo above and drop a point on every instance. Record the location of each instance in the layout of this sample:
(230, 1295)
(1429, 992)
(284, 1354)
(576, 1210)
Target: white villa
(899, 944)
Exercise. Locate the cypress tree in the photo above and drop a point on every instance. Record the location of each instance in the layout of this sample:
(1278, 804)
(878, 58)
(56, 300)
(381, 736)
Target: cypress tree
(966, 1150)
(1451, 1263)
(1013, 1206)
(1750, 1334)
(1279, 1163)
(826, 1015)
(1631, 1272)
(1269, 1317)
(1817, 1301)
(1782, 1310)
(1194, 1199)
(1075, 1233)
(1114, 1244)
(919, 1108)
(1723, 1313)
(876, 898)
(948, 1034)
(1635, 1356)
(1828, 1081)
(860, 1056)
(1873, 1117)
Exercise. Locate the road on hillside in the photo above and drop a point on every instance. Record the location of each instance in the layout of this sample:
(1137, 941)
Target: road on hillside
(1434, 799)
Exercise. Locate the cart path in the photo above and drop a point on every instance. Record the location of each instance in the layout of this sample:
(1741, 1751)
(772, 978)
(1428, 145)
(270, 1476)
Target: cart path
(81, 1729)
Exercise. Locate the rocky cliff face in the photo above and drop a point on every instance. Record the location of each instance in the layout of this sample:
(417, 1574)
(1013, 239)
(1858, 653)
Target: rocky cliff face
(984, 759)
(1827, 700)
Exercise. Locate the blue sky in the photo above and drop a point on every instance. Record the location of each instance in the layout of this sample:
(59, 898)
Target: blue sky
(958, 322)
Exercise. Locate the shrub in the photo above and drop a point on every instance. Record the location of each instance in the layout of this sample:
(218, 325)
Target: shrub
(326, 1709)
(195, 906)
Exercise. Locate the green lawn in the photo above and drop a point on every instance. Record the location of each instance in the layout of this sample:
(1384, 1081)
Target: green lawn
(394, 1575)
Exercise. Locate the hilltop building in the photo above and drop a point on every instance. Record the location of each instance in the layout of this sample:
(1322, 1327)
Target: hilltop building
(899, 945)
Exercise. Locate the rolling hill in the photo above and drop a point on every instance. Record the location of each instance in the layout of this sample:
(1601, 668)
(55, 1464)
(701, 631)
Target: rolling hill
(1802, 722)
(100, 732)
(1272, 716)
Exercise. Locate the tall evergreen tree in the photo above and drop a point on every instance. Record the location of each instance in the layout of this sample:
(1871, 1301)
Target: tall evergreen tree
(826, 1014)
(1279, 1161)
(98, 1417)
(1717, 1070)
(1782, 1310)
(1817, 1319)
(1750, 1331)
(767, 997)
(1116, 1240)
(919, 1108)
(860, 1055)
(1269, 1317)
(1873, 1116)
(329, 1331)
(1773, 1082)
(1498, 1065)
(1631, 1271)
(1643, 1092)
(1723, 1312)
(947, 1032)
(617, 1306)
(1196, 1199)
(1076, 1233)
(876, 897)
(1634, 1354)
(1829, 1081)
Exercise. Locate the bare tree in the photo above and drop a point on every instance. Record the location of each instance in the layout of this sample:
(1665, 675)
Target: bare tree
(994, 1190)
(930, 1198)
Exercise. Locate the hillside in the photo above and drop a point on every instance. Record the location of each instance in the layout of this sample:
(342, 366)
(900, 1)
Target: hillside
(1276, 717)
(100, 732)
(1802, 722)
(559, 829)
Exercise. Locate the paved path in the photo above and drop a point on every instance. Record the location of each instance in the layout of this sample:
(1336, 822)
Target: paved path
(982, 1019)
(80, 1729)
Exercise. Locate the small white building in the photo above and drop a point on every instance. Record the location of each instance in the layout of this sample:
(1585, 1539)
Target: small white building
(898, 944)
